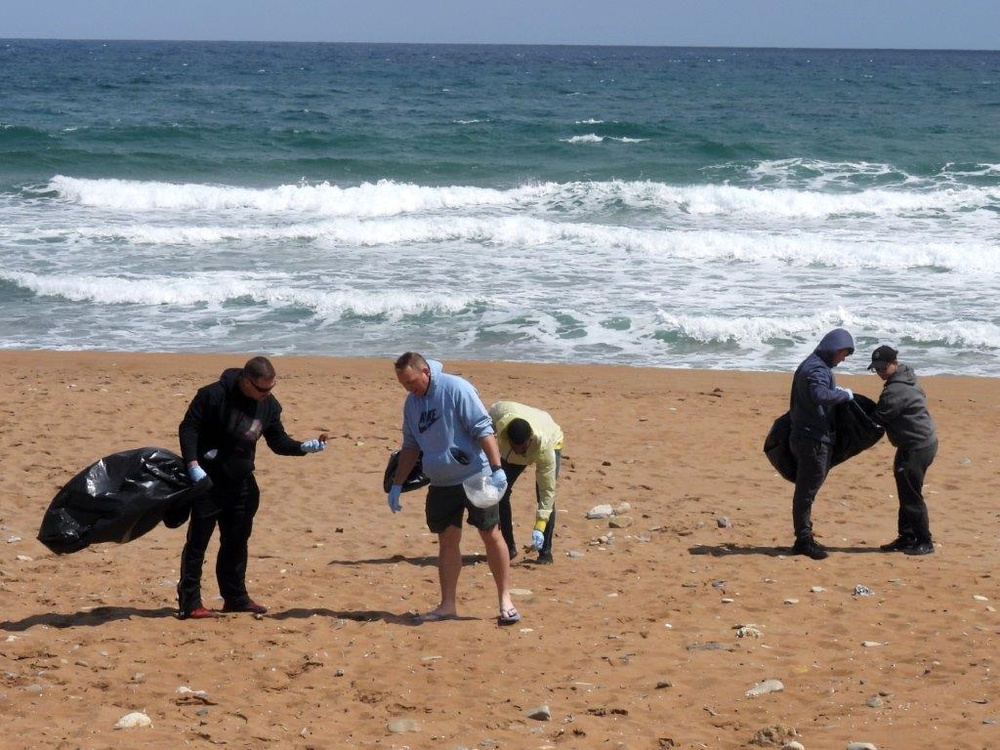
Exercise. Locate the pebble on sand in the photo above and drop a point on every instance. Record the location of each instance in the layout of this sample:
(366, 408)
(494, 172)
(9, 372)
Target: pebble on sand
(134, 719)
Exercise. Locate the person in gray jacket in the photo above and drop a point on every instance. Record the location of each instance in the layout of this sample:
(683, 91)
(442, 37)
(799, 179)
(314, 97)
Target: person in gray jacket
(902, 410)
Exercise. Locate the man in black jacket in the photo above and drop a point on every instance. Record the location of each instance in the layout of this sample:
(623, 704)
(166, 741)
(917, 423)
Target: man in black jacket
(902, 409)
(218, 437)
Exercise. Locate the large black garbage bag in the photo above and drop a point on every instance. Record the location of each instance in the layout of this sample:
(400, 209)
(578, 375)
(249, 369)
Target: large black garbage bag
(416, 479)
(776, 447)
(119, 498)
(856, 432)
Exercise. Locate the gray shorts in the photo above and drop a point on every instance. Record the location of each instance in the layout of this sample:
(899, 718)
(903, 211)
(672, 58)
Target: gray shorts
(445, 506)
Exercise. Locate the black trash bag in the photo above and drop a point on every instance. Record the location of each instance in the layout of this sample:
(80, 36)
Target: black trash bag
(120, 498)
(777, 450)
(856, 432)
(415, 481)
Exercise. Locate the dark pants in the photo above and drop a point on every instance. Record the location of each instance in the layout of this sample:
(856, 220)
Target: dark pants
(813, 459)
(513, 471)
(909, 468)
(232, 509)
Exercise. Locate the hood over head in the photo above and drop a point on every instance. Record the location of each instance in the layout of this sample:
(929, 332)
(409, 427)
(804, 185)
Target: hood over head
(835, 340)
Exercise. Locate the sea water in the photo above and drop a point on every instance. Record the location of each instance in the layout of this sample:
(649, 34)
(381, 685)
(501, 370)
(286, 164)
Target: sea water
(667, 207)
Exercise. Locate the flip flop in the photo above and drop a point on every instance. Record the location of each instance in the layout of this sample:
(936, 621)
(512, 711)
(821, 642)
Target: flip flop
(509, 616)
(435, 617)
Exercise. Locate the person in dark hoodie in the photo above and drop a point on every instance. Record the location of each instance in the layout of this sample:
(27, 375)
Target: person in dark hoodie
(218, 437)
(902, 410)
(815, 394)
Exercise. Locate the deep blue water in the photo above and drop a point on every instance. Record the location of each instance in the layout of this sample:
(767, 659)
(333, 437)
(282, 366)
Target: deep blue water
(649, 206)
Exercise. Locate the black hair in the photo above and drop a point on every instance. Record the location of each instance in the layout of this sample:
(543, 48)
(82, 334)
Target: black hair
(519, 431)
(259, 368)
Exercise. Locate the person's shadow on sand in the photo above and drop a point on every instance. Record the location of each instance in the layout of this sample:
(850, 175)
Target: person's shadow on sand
(393, 618)
(422, 560)
(728, 549)
(724, 550)
(91, 618)
(103, 615)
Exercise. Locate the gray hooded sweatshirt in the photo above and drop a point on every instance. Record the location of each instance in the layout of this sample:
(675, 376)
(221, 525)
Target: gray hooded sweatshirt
(902, 410)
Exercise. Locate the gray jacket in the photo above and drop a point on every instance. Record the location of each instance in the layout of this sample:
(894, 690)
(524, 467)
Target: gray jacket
(902, 410)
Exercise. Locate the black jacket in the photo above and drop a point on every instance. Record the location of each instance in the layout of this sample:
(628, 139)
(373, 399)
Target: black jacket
(222, 419)
(814, 390)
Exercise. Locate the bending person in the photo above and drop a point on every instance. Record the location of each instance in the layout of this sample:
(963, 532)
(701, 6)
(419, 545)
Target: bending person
(444, 418)
(902, 409)
(529, 436)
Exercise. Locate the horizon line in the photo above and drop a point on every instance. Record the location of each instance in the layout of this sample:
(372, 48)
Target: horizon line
(492, 44)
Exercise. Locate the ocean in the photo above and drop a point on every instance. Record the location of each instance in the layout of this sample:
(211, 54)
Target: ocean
(665, 207)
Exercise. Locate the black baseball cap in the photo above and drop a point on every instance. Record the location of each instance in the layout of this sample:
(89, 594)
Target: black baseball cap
(883, 357)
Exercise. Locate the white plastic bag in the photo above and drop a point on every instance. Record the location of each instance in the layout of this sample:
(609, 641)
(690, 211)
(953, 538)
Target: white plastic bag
(481, 491)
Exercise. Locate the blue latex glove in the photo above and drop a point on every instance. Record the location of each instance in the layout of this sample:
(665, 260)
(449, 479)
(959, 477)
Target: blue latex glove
(499, 480)
(394, 492)
(848, 391)
(196, 473)
(537, 540)
(313, 446)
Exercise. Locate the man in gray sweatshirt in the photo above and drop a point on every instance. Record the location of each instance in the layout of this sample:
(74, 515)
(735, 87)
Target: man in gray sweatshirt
(902, 410)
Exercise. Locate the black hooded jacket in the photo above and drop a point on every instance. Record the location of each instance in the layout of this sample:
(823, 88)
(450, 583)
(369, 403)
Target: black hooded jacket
(814, 390)
(222, 419)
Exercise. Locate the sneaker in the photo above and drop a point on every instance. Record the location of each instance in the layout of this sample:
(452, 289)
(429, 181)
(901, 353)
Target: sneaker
(920, 548)
(544, 558)
(250, 606)
(199, 613)
(899, 544)
(810, 547)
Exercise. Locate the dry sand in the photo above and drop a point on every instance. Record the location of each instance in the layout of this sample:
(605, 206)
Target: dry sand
(631, 641)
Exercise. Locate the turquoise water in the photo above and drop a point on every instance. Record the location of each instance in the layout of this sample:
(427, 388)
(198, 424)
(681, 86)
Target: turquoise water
(650, 206)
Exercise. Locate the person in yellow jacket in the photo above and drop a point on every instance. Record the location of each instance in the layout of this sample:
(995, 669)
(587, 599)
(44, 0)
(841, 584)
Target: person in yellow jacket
(529, 436)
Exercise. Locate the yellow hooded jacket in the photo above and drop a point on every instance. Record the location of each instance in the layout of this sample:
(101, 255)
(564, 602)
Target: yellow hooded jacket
(546, 439)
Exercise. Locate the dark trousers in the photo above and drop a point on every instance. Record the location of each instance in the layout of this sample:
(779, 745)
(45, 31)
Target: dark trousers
(909, 468)
(233, 510)
(813, 458)
(513, 471)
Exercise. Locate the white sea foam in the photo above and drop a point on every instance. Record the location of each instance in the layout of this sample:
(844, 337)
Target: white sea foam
(387, 198)
(369, 199)
(216, 289)
(640, 272)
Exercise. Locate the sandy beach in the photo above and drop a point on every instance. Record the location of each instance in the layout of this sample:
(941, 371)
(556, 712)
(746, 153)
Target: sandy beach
(657, 628)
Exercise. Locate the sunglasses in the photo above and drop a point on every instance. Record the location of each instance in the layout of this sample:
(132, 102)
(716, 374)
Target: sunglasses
(258, 388)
